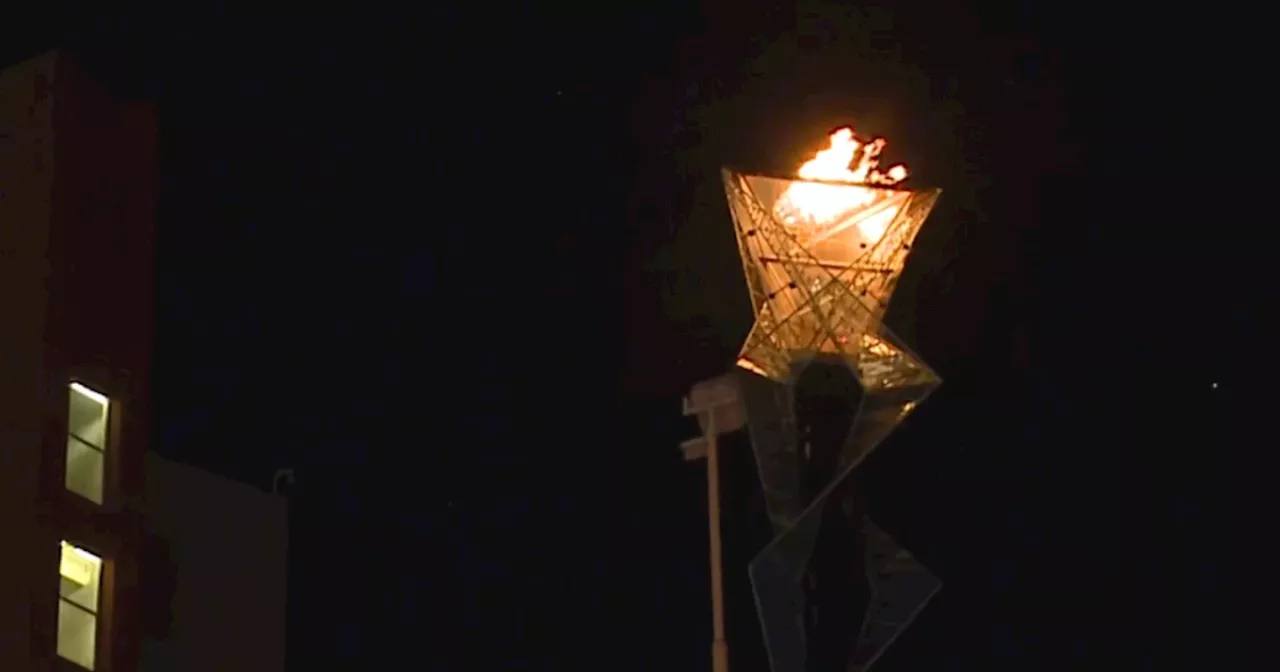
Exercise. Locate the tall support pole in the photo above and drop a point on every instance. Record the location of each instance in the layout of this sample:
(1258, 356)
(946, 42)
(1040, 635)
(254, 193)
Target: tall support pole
(715, 403)
(719, 647)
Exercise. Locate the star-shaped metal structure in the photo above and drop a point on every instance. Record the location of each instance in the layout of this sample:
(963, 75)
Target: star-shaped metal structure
(821, 382)
(822, 286)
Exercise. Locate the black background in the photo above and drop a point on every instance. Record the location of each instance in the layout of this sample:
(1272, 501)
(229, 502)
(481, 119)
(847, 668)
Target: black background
(456, 265)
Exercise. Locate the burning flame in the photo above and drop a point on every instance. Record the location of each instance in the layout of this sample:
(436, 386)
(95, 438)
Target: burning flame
(833, 163)
(813, 206)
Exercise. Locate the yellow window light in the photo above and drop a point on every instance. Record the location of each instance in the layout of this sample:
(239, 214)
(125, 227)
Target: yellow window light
(78, 565)
(100, 398)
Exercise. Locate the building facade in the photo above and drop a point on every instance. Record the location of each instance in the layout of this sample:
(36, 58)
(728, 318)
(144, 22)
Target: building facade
(81, 588)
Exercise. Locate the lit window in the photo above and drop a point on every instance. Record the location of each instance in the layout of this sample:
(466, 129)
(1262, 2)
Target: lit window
(78, 605)
(86, 442)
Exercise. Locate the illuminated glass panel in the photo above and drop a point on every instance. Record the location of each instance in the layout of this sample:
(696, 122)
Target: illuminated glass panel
(86, 442)
(79, 588)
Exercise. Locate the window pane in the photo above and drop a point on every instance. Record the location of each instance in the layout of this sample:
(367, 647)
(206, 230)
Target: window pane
(76, 634)
(81, 575)
(84, 470)
(87, 416)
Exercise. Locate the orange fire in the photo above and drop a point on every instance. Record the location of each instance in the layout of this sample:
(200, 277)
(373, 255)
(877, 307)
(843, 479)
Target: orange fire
(815, 208)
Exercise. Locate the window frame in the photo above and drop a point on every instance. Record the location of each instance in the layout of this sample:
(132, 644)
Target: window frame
(110, 437)
(99, 615)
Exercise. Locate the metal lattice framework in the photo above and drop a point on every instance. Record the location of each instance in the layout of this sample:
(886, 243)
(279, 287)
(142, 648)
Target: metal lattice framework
(828, 294)
(819, 295)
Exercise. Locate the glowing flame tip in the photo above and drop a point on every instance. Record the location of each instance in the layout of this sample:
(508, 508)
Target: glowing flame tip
(848, 159)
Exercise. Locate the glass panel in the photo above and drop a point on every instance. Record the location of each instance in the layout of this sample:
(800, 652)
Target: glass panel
(76, 634)
(81, 573)
(837, 223)
(900, 586)
(834, 592)
(893, 382)
(85, 466)
(87, 416)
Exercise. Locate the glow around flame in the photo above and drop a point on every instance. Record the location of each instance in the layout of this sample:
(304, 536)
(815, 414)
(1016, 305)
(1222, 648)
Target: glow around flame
(846, 159)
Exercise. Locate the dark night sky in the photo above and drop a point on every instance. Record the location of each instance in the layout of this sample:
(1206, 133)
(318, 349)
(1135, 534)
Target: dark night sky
(457, 265)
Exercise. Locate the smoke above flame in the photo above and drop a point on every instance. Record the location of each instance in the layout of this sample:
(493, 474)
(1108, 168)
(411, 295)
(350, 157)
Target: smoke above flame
(813, 207)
